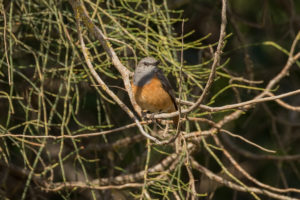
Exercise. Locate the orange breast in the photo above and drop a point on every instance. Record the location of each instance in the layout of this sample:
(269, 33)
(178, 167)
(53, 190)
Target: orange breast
(153, 97)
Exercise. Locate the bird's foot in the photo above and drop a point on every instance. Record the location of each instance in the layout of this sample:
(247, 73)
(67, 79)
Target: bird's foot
(144, 115)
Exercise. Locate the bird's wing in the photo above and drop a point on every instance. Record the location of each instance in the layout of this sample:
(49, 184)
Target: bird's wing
(166, 85)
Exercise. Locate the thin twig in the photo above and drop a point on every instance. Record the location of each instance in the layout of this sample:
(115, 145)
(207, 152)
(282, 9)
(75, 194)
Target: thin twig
(216, 61)
(245, 103)
(234, 186)
(80, 12)
(247, 175)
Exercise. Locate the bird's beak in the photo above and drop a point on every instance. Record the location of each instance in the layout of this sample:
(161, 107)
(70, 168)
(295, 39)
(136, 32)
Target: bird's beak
(157, 63)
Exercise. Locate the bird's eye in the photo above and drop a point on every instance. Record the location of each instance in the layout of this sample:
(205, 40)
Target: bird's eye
(146, 63)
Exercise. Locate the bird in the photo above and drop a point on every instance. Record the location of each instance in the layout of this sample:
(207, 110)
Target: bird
(152, 90)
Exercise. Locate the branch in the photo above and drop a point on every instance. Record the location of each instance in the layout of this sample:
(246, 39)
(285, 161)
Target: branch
(216, 61)
(247, 175)
(118, 180)
(81, 14)
(125, 73)
(245, 103)
(234, 186)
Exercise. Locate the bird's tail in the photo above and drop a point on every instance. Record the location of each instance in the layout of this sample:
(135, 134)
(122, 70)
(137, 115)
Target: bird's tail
(175, 121)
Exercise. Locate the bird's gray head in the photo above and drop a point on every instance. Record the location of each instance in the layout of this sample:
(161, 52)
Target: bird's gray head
(145, 71)
(147, 64)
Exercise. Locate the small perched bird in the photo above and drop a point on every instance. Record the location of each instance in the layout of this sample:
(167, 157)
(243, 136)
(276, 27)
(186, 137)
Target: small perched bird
(152, 90)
